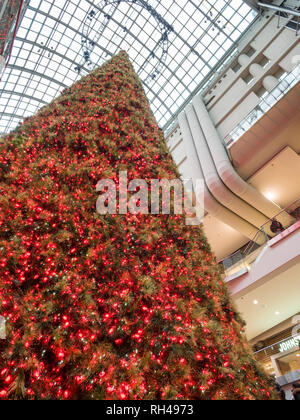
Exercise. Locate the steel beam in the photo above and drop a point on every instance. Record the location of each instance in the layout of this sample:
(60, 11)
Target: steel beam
(279, 9)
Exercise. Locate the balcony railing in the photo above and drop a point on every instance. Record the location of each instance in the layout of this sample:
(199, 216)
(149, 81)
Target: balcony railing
(245, 257)
(286, 82)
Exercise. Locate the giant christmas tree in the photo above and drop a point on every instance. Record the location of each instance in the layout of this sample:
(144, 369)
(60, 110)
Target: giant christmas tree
(115, 306)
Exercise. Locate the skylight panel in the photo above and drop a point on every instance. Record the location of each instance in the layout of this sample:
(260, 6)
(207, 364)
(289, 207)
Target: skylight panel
(42, 5)
(52, 49)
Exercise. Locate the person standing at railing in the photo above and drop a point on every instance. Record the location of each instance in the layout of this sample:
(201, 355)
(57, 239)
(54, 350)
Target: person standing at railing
(276, 227)
(296, 391)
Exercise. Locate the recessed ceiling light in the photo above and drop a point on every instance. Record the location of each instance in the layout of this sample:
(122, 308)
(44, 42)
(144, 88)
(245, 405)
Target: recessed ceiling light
(255, 302)
(277, 313)
(270, 195)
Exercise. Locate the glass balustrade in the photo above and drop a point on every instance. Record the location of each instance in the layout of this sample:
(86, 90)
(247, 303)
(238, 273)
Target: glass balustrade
(286, 82)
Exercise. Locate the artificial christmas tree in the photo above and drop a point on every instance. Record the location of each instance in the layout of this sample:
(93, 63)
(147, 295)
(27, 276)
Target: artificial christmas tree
(112, 306)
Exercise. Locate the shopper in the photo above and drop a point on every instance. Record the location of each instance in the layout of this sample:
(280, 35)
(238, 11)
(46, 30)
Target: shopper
(281, 392)
(276, 227)
(296, 391)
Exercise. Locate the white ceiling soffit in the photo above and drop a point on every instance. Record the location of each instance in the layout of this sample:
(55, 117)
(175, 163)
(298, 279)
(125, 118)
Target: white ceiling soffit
(271, 303)
(279, 179)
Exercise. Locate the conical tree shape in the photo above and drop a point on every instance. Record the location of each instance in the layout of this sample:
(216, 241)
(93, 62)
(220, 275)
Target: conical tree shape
(114, 306)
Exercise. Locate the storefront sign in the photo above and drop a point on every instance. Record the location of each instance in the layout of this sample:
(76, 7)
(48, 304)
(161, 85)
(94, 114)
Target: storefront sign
(290, 344)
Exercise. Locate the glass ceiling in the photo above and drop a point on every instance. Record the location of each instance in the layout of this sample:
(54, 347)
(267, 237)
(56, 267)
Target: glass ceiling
(49, 48)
